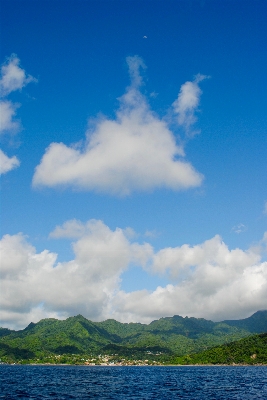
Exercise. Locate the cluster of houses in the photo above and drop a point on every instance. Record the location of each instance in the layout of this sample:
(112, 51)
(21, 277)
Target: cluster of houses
(109, 360)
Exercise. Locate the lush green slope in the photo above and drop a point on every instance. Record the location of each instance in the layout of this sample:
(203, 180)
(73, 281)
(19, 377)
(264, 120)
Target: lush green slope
(5, 332)
(77, 335)
(178, 334)
(251, 350)
(74, 335)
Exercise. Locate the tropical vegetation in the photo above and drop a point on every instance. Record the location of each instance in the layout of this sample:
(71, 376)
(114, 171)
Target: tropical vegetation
(170, 340)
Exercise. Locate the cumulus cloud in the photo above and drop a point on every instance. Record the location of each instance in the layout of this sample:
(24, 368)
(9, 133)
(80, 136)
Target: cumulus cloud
(13, 77)
(70, 229)
(206, 280)
(35, 284)
(186, 105)
(7, 163)
(135, 151)
(212, 253)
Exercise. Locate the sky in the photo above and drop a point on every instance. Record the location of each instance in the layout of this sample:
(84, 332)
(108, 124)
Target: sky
(133, 159)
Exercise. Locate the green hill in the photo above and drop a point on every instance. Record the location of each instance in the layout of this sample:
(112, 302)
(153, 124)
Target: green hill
(256, 323)
(5, 332)
(73, 335)
(251, 350)
(177, 334)
(171, 336)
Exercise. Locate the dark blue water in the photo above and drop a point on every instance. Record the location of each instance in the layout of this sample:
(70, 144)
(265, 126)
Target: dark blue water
(78, 382)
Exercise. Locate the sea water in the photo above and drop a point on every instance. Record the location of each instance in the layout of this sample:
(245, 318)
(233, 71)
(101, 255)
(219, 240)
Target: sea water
(87, 382)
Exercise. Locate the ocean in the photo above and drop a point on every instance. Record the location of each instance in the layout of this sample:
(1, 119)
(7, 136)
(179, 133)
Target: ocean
(98, 382)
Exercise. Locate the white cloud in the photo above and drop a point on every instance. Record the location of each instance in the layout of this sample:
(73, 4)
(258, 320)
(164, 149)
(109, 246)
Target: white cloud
(70, 229)
(6, 163)
(135, 64)
(7, 113)
(237, 299)
(206, 280)
(212, 253)
(187, 104)
(13, 77)
(136, 151)
(239, 228)
(34, 282)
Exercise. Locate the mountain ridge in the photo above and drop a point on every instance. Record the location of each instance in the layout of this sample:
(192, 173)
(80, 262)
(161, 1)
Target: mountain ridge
(169, 335)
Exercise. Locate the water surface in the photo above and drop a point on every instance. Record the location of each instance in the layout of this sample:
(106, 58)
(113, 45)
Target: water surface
(83, 382)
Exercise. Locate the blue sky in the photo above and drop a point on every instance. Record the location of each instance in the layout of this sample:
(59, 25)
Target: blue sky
(133, 159)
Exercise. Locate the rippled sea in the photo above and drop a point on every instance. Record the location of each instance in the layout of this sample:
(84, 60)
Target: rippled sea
(81, 382)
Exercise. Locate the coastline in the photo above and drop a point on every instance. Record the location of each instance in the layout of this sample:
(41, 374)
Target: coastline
(144, 365)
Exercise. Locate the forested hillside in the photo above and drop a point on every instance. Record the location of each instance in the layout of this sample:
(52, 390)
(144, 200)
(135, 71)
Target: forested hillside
(251, 350)
(167, 337)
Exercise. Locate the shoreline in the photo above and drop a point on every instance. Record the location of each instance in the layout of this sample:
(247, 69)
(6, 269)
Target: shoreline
(152, 366)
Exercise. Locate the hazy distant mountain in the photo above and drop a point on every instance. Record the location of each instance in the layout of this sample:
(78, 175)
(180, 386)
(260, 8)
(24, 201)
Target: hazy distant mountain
(256, 323)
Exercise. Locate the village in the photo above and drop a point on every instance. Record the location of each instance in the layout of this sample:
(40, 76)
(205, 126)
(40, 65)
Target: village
(109, 360)
(87, 360)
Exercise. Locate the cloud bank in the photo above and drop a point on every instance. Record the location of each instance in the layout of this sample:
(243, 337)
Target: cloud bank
(206, 280)
(136, 151)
